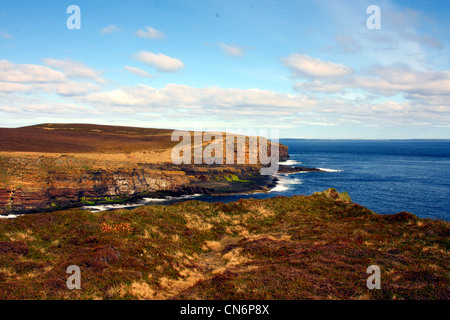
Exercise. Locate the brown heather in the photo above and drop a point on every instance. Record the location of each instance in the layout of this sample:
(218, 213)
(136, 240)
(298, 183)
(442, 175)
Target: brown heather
(302, 247)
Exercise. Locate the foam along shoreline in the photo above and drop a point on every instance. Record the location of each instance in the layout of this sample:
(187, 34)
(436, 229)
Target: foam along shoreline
(284, 183)
(290, 162)
(330, 170)
(143, 202)
(10, 216)
(281, 183)
(109, 207)
(186, 196)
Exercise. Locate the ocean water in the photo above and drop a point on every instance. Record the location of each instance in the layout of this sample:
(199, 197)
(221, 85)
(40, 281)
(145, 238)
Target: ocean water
(386, 176)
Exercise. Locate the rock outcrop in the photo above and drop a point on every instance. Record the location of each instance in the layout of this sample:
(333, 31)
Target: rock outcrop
(56, 190)
(36, 175)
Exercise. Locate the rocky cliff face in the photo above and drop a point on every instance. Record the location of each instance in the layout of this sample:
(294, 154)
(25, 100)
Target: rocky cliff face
(104, 164)
(284, 152)
(68, 189)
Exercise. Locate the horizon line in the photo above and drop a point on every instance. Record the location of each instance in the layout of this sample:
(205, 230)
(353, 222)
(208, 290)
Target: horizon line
(286, 138)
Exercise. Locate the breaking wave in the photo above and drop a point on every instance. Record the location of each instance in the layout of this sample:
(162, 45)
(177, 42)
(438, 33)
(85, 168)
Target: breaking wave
(329, 170)
(10, 216)
(290, 162)
(143, 202)
(108, 207)
(285, 183)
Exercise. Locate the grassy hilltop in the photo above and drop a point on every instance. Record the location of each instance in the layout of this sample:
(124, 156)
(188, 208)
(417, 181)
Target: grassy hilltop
(303, 247)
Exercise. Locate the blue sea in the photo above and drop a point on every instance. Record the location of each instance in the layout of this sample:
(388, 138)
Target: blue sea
(386, 176)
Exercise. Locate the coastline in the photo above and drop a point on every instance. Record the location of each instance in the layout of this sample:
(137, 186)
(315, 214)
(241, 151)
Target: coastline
(258, 184)
(300, 247)
(265, 185)
(52, 167)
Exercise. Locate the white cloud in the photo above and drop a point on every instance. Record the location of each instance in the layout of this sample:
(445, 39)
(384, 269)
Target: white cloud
(319, 86)
(379, 80)
(177, 103)
(232, 50)
(28, 73)
(306, 66)
(264, 107)
(68, 88)
(138, 72)
(361, 99)
(406, 35)
(36, 79)
(48, 109)
(393, 80)
(160, 61)
(150, 33)
(74, 69)
(110, 29)
(209, 100)
(13, 87)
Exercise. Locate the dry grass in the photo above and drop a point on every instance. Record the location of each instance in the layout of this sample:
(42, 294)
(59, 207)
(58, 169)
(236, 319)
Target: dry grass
(26, 234)
(314, 247)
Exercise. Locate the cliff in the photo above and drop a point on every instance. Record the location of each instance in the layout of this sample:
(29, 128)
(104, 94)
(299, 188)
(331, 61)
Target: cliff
(50, 167)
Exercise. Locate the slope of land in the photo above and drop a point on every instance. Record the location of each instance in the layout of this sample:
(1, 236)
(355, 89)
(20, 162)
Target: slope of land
(54, 166)
(302, 247)
(83, 138)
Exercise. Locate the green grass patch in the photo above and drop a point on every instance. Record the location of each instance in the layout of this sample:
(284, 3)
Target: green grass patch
(234, 178)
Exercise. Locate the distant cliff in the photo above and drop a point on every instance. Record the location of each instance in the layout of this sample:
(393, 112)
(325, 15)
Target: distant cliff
(59, 166)
(67, 189)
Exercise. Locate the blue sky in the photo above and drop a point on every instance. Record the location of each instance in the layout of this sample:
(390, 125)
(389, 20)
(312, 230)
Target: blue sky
(311, 70)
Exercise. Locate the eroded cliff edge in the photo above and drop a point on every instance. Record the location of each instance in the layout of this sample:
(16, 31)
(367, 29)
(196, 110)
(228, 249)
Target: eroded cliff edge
(60, 166)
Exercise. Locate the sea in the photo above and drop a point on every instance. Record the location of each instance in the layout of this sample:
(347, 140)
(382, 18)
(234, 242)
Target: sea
(386, 176)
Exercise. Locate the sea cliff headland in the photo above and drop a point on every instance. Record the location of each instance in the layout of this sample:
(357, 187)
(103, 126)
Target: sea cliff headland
(301, 247)
(55, 166)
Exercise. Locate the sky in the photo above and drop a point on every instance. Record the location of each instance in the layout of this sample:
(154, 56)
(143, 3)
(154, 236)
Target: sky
(310, 69)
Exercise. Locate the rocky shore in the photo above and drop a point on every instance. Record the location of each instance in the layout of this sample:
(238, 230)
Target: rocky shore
(60, 190)
(35, 175)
